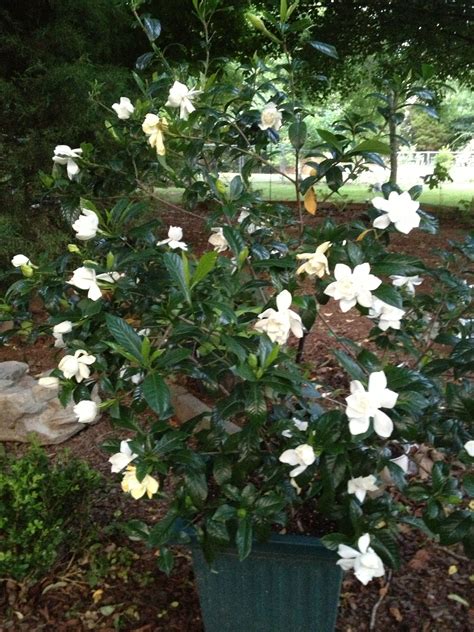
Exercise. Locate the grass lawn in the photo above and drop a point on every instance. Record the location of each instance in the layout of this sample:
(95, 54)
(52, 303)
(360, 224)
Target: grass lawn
(450, 194)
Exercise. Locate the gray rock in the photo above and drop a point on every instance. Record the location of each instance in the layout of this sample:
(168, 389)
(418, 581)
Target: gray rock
(27, 408)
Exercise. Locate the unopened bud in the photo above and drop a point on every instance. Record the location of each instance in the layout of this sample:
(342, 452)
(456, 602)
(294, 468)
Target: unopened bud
(27, 271)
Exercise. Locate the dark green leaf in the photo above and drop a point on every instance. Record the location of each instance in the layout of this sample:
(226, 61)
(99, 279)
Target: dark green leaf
(222, 470)
(243, 537)
(125, 336)
(389, 295)
(165, 560)
(205, 265)
(152, 28)
(156, 393)
(326, 49)
(297, 134)
(144, 61)
(350, 365)
(177, 268)
(372, 145)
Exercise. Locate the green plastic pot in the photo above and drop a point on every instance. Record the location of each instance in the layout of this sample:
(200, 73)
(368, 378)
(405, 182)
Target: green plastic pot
(289, 584)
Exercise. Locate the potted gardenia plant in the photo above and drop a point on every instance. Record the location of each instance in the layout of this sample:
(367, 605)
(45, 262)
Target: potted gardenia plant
(318, 477)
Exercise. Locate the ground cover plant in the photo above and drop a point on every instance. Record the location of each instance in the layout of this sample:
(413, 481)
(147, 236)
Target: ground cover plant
(135, 308)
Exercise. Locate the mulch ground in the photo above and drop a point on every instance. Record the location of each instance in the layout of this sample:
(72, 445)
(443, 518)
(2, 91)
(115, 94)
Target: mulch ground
(114, 583)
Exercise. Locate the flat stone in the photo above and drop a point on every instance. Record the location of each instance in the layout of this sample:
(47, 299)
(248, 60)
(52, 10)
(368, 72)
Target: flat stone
(27, 408)
(186, 406)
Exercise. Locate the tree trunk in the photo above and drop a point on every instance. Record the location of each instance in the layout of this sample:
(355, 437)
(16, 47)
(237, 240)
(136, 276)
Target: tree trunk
(393, 140)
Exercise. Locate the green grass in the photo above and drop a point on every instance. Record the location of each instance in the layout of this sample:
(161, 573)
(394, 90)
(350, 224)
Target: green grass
(449, 195)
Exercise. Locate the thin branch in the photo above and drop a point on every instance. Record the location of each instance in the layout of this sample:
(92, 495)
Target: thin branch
(384, 592)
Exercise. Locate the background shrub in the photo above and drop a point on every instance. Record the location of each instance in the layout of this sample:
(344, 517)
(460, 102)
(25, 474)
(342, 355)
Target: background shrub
(44, 511)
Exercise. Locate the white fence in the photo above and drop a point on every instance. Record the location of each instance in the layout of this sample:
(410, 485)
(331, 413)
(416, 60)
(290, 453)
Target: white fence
(428, 158)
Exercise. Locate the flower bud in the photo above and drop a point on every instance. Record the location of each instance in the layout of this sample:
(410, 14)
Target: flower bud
(72, 248)
(252, 360)
(27, 271)
(256, 21)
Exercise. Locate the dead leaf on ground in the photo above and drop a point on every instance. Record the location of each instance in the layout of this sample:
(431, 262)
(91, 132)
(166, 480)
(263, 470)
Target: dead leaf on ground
(420, 559)
(396, 614)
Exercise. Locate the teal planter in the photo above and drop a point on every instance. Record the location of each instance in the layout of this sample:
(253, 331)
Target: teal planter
(289, 584)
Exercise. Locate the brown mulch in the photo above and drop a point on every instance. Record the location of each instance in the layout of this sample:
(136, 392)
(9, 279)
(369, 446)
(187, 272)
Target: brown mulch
(114, 584)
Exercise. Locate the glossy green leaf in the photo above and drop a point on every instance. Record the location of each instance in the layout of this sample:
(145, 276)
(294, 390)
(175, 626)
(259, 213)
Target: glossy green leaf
(156, 393)
(125, 336)
(326, 49)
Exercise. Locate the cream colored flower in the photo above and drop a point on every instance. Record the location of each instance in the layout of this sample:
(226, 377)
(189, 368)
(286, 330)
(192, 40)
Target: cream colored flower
(124, 109)
(399, 210)
(365, 561)
(469, 447)
(181, 97)
(136, 488)
(363, 405)
(175, 235)
(270, 117)
(361, 485)
(154, 127)
(302, 457)
(20, 260)
(49, 382)
(86, 411)
(218, 240)
(389, 316)
(86, 225)
(121, 459)
(353, 286)
(76, 365)
(316, 262)
(64, 155)
(408, 282)
(58, 330)
(278, 323)
(86, 279)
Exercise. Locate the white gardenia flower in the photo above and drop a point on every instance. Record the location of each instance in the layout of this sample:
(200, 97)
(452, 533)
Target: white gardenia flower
(389, 316)
(86, 411)
(218, 240)
(124, 108)
(365, 561)
(278, 323)
(316, 263)
(121, 459)
(353, 286)
(408, 282)
(399, 210)
(154, 127)
(469, 447)
(86, 225)
(64, 155)
(49, 382)
(20, 260)
(361, 485)
(175, 234)
(299, 424)
(76, 365)
(362, 405)
(86, 279)
(270, 117)
(181, 97)
(58, 330)
(302, 456)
